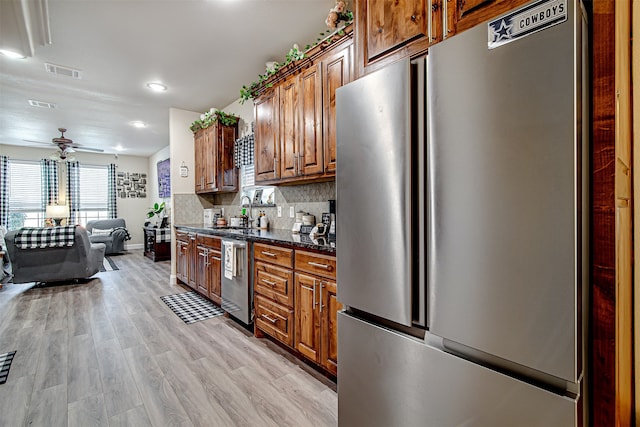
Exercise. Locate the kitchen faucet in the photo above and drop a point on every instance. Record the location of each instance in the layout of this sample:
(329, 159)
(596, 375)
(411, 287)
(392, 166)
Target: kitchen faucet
(250, 219)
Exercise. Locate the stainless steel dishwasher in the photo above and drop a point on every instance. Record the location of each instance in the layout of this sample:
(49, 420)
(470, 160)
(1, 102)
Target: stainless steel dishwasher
(237, 295)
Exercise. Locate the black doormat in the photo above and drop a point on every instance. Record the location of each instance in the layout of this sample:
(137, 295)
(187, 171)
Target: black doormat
(191, 307)
(108, 264)
(5, 364)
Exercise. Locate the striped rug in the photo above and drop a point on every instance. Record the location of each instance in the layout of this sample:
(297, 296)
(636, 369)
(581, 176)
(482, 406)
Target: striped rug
(108, 264)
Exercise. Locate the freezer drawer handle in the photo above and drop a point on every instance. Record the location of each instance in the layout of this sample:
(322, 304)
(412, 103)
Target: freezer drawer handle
(271, 254)
(269, 282)
(316, 264)
(270, 319)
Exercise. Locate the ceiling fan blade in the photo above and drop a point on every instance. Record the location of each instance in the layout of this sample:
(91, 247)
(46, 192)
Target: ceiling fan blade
(96, 150)
(36, 142)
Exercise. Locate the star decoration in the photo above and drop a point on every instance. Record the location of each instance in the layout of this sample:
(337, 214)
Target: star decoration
(503, 32)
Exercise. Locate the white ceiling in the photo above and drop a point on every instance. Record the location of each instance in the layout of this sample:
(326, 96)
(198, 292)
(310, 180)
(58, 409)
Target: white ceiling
(204, 50)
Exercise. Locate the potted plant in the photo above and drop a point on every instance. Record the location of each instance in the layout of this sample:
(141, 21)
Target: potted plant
(158, 211)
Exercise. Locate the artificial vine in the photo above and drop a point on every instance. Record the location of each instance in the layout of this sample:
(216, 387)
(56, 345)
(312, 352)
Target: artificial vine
(211, 117)
(336, 15)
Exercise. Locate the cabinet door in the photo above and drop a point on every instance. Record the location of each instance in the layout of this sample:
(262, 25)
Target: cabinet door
(289, 127)
(468, 13)
(267, 141)
(329, 307)
(215, 276)
(336, 72)
(198, 149)
(191, 257)
(392, 24)
(307, 320)
(209, 158)
(310, 151)
(182, 262)
(227, 171)
(202, 280)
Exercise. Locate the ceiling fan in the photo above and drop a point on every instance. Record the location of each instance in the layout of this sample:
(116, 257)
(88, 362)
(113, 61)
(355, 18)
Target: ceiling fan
(66, 146)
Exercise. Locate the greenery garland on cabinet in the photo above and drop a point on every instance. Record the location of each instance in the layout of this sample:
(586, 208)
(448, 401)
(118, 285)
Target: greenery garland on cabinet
(212, 116)
(337, 14)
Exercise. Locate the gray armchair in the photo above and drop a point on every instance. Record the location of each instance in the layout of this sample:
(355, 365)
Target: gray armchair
(113, 240)
(80, 261)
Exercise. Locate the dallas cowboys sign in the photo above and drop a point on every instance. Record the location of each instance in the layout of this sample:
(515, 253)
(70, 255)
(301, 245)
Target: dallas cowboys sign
(527, 20)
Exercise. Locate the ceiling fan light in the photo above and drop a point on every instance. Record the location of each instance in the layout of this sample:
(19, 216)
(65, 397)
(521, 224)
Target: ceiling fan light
(157, 86)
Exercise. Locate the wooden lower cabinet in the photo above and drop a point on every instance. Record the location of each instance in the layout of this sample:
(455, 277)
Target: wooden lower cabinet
(295, 301)
(316, 324)
(209, 264)
(185, 258)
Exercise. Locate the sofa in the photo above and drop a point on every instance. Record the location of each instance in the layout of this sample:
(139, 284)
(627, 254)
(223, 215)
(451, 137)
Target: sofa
(112, 232)
(53, 264)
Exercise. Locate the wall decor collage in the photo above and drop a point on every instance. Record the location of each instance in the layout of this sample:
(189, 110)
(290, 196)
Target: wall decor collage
(131, 184)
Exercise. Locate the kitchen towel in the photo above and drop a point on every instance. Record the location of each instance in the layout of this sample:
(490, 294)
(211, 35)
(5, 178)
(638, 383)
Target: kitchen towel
(229, 259)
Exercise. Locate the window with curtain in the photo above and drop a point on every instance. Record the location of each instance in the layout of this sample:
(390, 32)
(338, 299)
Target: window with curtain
(25, 205)
(93, 193)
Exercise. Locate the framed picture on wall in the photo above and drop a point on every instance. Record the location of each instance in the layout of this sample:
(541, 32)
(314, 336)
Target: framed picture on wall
(164, 178)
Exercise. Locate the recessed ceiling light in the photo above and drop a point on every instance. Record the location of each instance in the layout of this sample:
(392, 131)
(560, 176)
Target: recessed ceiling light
(157, 87)
(139, 124)
(119, 148)
(11, 54)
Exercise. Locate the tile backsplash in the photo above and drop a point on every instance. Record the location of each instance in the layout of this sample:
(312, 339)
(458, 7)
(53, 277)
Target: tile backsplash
(312, 198)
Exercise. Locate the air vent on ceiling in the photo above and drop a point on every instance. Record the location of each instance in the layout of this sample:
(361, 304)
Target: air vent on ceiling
(41, 104)
(63, 71)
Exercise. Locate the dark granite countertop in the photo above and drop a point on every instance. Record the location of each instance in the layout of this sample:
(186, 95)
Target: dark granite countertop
(282, 237)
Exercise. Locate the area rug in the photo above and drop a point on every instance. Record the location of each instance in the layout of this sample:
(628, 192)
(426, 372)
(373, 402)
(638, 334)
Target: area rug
(191, 307)
(108, 264)
(5, 364)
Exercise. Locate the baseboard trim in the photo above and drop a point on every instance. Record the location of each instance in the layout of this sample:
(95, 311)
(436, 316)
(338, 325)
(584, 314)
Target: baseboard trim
(131, 246)
(173, 279)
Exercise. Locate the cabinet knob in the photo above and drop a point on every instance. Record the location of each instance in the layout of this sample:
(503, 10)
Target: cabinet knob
(413, 18)
(379, 29)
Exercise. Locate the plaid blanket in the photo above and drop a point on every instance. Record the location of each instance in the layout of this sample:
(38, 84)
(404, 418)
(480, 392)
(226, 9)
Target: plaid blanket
(127, 236)
(47, 237)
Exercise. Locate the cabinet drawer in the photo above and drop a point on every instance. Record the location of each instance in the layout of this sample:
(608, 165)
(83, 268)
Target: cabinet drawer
(273, 254)
(274, 319)
(274, 283)
(209, 241)
(181, 235)
(318, 264)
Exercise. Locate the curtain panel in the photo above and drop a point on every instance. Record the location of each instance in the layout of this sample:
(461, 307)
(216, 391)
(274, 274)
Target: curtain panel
(4, 191)
(73, 191)
(112, 206)
(49, 182)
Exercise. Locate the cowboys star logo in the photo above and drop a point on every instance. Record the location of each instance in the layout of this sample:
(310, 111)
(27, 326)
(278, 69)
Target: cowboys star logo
(503, 32)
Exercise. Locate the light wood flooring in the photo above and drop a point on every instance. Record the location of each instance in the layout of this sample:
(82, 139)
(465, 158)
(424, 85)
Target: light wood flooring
(109, 352)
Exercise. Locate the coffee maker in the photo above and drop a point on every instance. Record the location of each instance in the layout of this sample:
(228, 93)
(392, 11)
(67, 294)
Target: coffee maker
(332, 225)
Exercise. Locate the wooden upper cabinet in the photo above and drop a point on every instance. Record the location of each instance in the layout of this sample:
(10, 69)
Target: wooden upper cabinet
(214, 167)
(464, 14)
(289, 127)
(310, 153)
(393, 23)
(267, 140)
(227, 171)
(390, 30)
(337, 71)
(198, 144)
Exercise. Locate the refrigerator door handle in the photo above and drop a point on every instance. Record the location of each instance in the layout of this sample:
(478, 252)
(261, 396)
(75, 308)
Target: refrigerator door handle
(420, 163)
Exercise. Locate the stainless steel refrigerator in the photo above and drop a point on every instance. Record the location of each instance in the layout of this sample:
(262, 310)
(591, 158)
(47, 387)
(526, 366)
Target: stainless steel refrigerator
(462, 253)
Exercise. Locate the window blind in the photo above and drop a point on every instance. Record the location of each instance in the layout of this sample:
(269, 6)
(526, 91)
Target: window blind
(247, 176)
(94, 187)
(25, 183)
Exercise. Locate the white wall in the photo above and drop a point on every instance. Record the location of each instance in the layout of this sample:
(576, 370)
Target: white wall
(132, 210)
(181, 153)
(245, 112)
